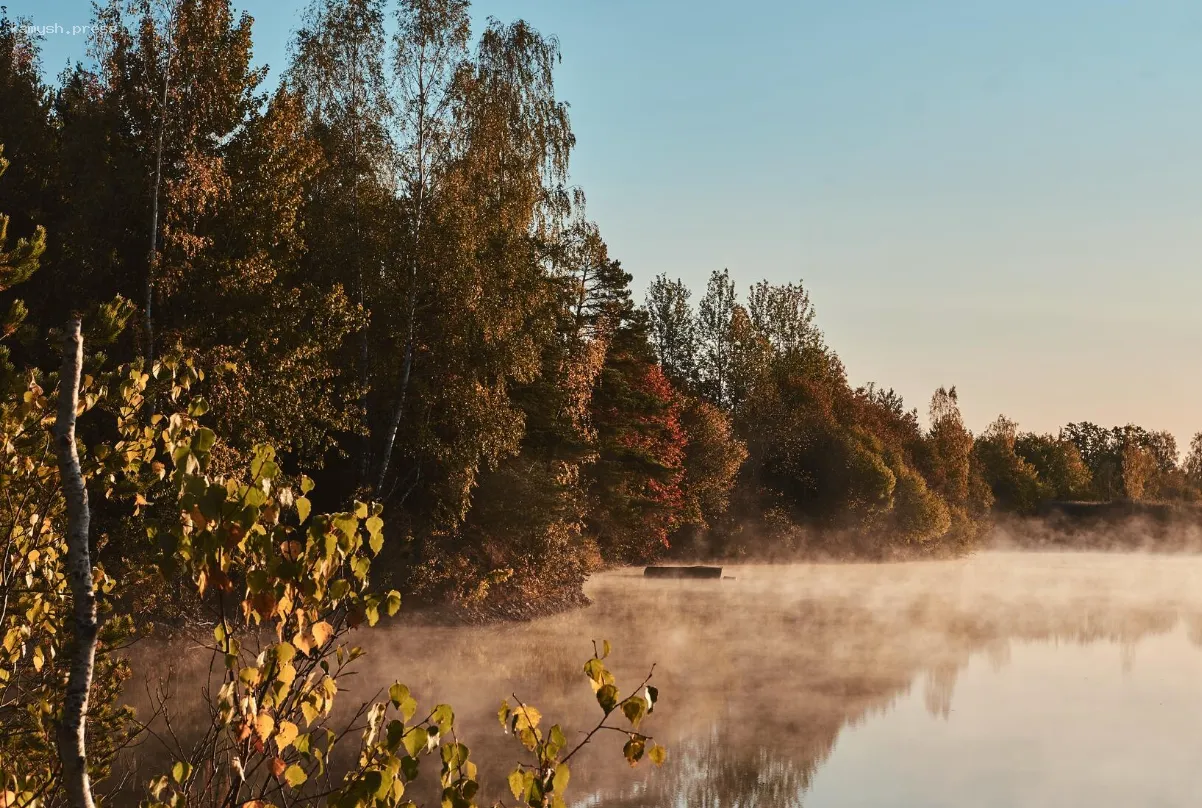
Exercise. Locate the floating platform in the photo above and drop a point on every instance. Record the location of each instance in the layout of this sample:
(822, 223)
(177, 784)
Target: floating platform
(682, 572)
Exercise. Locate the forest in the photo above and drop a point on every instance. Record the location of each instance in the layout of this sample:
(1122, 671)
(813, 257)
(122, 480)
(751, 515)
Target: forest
(379, 267)
(371, 291)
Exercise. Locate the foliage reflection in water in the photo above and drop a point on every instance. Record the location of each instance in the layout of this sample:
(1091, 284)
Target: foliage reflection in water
(1002, 679)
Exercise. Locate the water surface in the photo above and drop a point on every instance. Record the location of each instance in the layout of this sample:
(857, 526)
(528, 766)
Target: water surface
(1004, 679)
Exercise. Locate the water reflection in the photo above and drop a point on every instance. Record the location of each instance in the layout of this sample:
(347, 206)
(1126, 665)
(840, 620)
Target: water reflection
(823, 684)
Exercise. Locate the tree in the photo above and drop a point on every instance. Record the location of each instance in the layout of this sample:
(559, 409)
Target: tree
(673, 330)
(1193, 461)
(431, 56)
(339, 69)
(1139, 467)
(282, 587)
(951, 448)
(273, 333)
(72, 740)
(1057, 462)
(25, 128)
(1015, 483)
(783, 314)
(715, 317)
(946, 461)
(635, 485)
(18, 262)
(920, 515)
(713, 458)
(179, 73)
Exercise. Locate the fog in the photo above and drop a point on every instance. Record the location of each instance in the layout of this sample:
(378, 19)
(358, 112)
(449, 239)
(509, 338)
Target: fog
(762, 675)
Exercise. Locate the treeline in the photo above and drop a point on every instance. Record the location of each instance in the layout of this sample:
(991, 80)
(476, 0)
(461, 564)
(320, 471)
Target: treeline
(379, 266)
(1087, 463)
(828, 468)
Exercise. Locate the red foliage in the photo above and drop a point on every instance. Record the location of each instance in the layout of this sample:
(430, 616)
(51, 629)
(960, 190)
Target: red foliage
(658, 436)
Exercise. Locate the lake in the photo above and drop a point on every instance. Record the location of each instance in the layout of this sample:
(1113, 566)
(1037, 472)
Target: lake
(1002, 679)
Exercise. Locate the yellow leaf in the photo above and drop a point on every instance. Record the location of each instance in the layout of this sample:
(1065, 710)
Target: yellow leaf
(286, 735)
(321, 632)
(295, 776)
(264, 724)
(527, 717)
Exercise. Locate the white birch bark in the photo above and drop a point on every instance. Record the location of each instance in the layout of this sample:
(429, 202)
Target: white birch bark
(72, 733)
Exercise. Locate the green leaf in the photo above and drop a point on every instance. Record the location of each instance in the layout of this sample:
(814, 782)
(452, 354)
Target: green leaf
(634, 709)
(181, 771)
(261, 465)
(503, 713)
(373, 783)
(657, 754)
(397, 694)
(557, 740)
(203, 440)
(415, 741)
(198, 407)
(444, 717)
(347, 523)
(303, 507)
(634, 748)
(295, 776)
(396, 732)
(562, 775)
(392, 602)
(360, 510)
(607, 697)
(517, 784)
(306, 485)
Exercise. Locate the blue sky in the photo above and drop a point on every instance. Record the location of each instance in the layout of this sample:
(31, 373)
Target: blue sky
(1003, 195)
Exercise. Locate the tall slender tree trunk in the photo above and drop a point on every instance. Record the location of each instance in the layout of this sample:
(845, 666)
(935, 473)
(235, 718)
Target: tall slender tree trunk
(72, 733)
(152, 262)
(398, 413)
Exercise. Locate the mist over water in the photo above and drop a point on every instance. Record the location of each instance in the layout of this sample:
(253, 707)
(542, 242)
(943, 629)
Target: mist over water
(1007, 678)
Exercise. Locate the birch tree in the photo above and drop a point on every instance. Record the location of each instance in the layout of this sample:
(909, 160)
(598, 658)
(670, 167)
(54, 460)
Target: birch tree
(431, 54)
(73, 749)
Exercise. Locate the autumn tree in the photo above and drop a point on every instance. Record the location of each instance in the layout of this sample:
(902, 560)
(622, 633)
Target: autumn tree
(713, 459)
(1015, 483)
(1058, 463)
(179, 73)
(635, 486)
(339, 69)
(1192, 465)
(431, 58)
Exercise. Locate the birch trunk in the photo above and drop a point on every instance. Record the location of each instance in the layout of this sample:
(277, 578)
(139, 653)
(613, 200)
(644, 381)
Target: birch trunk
(72, 733)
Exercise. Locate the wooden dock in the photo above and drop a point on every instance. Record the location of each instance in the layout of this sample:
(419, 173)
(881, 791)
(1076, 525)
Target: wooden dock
(683, 572)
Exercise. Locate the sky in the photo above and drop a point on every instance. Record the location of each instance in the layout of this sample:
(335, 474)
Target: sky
(1004, 196)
